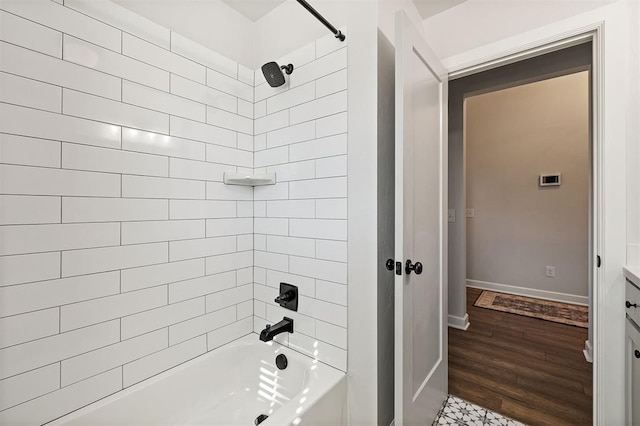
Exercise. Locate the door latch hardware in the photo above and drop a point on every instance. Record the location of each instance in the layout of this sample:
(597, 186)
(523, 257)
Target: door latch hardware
(416, 267)
(630, 305)
(398, 268)
(598, 261)
(389, 264)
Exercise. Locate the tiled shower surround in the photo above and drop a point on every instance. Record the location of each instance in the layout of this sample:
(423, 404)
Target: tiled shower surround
(122, 253)
(300, 224)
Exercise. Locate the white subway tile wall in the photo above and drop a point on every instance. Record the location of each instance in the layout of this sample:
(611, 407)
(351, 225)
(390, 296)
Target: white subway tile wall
(122, 253)
(300, 224)
(112, 257)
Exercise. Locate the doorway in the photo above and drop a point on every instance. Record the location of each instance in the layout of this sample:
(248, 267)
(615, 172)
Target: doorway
(520, 387)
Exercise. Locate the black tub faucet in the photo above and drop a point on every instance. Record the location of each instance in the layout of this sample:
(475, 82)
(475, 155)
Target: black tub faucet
(271, 331)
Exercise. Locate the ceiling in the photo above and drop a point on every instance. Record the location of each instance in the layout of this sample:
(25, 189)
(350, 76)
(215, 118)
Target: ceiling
(428, 8)
(253, 9)
(256, 9)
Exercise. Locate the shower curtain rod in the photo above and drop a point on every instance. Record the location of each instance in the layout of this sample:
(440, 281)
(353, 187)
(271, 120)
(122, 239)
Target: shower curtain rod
(321, 18)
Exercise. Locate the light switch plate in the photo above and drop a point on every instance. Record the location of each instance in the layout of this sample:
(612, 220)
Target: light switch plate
(452, 216)
(470, 213)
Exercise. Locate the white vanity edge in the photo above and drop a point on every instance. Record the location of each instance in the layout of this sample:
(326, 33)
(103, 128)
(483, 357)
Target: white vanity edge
(632, 273)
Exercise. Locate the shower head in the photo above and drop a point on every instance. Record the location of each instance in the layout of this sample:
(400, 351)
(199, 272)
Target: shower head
(273, 74)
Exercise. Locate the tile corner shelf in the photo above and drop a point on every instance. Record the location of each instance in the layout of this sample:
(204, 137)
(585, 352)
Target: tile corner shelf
(249, 180)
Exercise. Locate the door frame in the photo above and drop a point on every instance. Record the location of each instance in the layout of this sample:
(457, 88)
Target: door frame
(608, 177)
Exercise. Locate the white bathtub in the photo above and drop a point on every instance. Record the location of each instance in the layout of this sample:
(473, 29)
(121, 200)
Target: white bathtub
(231, 385)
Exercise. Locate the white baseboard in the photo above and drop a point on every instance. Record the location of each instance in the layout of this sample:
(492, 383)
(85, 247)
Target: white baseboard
(461, 323)
(522, 291)
(588, 351)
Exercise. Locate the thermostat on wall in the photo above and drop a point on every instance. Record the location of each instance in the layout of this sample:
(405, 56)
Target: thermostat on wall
(550, 179)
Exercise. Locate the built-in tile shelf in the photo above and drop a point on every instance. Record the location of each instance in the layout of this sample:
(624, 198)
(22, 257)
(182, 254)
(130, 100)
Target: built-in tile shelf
(249, 180)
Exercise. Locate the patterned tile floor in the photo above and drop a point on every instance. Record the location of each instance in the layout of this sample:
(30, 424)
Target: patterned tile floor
(456, 411)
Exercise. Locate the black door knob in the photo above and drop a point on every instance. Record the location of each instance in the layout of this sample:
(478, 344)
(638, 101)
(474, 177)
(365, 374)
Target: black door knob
(630, 305)
(637, 353)
(415, 267)
(390, 264)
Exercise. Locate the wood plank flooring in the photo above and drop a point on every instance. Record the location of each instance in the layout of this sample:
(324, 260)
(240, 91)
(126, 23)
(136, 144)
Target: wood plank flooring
(528, 369)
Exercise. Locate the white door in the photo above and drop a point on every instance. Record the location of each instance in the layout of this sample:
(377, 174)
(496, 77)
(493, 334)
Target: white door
(420, 233)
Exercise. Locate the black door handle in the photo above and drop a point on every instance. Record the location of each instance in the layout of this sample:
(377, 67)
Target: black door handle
(629, 304)
(390, 264)
(415, 267)
(637, 353)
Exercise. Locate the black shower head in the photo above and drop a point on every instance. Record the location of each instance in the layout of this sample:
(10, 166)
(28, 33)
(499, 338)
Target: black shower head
(273, 74)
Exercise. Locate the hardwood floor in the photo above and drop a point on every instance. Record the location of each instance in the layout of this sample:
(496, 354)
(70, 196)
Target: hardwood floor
(528, 369)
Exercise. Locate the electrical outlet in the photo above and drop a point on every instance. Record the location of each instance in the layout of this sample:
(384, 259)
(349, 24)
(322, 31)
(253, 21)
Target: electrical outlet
(452, 216)
(551, 271)
(470, 212)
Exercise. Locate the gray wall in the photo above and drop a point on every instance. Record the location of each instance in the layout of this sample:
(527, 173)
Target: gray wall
(512, 136)
(386, 218)
(534, 69)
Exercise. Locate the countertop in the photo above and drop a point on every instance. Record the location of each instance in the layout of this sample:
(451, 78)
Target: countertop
(633, 274)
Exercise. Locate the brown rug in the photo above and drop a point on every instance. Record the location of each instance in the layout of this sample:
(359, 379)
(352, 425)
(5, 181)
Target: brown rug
(565, 313)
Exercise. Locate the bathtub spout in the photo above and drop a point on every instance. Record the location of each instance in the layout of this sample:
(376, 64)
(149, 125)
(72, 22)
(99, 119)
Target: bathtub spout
(272, 331)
